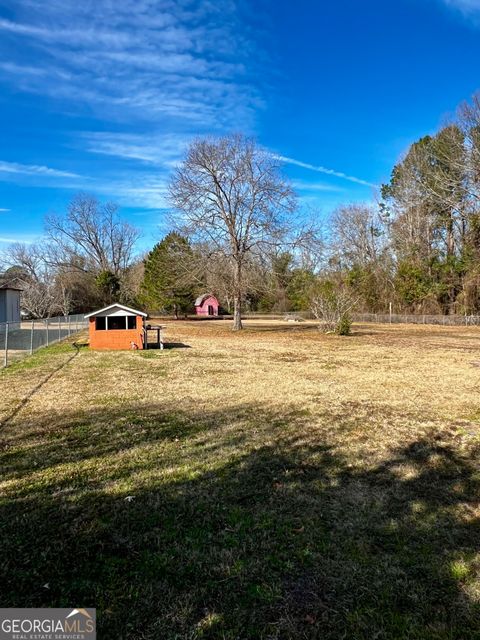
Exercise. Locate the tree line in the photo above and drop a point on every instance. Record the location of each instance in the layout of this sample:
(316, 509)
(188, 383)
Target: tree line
(238, 232)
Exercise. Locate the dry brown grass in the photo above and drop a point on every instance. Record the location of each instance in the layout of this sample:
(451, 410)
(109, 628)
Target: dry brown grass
(301, 483)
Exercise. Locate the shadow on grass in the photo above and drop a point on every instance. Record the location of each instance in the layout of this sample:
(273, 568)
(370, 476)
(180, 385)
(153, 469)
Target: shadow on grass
(293, 327)
(168, 345)
(76, 347)
(310, 327)
(182, 526)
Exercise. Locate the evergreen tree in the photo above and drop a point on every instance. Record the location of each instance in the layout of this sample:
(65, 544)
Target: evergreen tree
(108, 285)
(426, 203)
(167, 282)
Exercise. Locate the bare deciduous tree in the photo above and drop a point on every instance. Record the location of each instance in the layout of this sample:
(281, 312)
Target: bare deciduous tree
(39, 299)
(132, 281)
(230, 192)
(94, 232)
(358, 234)
(35, 278)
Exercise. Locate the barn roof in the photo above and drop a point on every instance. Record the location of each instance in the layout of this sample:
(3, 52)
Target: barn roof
(9, 287)
(116, 305)
(201, 299)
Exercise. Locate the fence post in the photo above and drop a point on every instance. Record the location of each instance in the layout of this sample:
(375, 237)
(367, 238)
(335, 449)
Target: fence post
(5, 360)
(31, 337)
(59, 328)
(46, 324)
(69, 326)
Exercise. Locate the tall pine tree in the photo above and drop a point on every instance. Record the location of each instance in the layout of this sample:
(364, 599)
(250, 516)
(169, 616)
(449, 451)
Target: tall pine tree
(168, 284)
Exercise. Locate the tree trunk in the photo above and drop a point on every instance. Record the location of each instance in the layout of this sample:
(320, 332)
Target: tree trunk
(450, 236)
(237, 296)
(237, 313)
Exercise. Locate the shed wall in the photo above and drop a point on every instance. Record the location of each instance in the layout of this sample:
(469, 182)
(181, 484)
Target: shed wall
(115, 340)
(202, 310)
(9, 305)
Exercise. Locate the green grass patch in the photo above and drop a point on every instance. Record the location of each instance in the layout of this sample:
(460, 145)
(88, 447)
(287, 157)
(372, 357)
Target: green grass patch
(38, 358)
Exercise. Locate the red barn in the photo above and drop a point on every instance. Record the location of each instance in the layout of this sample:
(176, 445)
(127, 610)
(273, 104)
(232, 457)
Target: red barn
(206, 305)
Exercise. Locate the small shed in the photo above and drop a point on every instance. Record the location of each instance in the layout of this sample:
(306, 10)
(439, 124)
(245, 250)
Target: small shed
(9, 304)
(116, 327)
(206, 305)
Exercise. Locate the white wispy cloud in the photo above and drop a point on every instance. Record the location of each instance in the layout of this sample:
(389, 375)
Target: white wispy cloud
(158, 149)
(324, 170)
(27, 238)
(314, 187)
(34, 169)
(187, 62)
(153, 156)
(2, 210)
(145, 190)
(140, 68)
(179, 66)
(465, 6)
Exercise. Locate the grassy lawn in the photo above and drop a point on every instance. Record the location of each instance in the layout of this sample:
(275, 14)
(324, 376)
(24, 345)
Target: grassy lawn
(274, 484)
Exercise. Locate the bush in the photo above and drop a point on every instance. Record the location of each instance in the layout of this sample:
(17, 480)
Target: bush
(344, 325)
(331, 303)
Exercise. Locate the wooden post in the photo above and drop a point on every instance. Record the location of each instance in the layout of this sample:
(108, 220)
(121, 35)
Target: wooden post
(31, 337)
(46, 324)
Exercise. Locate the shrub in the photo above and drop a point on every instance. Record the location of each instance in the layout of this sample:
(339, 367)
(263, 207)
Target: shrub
(344, 325)
(331, 304)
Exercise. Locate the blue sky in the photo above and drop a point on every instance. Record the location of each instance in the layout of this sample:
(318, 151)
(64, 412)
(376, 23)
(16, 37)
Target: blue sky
(103, 96)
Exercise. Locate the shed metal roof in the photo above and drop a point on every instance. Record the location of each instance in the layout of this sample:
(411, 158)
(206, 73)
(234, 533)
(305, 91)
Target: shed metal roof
(10, 288)
(201, 299)
(116, 305)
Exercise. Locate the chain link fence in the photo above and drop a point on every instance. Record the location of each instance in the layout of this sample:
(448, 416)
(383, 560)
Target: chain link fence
(380, 318)
(401, 318)
(18, 339)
